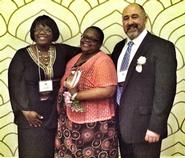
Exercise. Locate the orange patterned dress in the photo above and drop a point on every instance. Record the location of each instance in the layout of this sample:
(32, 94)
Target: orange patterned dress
(91, 133)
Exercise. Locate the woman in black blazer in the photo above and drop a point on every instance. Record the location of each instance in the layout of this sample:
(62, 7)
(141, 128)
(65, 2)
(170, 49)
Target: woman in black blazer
(33, 80)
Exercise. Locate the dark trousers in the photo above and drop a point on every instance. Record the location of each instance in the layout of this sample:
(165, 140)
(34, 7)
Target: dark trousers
(36, 142)
(140, 150)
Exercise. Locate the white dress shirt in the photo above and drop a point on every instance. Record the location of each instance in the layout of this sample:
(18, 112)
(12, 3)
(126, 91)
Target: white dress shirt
(137, 41)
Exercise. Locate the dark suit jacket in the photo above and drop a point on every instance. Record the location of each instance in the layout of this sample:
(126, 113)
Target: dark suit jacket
(147, 96)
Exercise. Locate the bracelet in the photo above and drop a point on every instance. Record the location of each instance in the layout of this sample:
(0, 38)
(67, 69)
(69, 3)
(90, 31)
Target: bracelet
(74, 96)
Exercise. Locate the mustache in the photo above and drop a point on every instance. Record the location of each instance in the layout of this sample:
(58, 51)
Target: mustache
(132, 26)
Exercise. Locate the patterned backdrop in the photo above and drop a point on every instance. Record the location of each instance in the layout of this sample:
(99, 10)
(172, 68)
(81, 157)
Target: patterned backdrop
(167, 19)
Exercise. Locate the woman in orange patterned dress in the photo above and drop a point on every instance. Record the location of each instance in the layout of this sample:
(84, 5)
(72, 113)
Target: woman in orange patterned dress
(86, 122)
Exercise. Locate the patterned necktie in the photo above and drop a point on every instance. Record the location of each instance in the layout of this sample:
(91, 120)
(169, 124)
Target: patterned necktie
(125, 61)
(124, 66)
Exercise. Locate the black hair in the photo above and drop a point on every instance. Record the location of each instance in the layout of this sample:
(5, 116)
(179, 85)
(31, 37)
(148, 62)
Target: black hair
(45, 21)
(99, 31)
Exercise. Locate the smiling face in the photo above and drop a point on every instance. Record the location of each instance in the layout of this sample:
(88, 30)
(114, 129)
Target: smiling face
(43, 35)
(134, 20)
(90, 41)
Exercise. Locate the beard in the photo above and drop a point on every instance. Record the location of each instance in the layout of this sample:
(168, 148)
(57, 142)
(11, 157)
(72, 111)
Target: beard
(133, 30)
(132, 27)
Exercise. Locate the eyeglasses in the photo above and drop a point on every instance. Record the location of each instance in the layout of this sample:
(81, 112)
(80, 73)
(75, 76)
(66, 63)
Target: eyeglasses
(90, 39)
(46, 30)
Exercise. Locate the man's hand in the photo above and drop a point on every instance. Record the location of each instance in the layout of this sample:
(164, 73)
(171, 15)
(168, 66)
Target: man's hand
(33, 118)
(151, 137)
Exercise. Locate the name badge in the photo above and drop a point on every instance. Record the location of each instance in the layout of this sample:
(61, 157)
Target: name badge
(45, 86)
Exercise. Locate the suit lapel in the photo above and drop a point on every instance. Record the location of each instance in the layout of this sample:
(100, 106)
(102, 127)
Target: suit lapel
(140, 52)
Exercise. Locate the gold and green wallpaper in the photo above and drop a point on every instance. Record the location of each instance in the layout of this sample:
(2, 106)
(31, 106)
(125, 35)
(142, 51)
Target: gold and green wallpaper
(166, 19)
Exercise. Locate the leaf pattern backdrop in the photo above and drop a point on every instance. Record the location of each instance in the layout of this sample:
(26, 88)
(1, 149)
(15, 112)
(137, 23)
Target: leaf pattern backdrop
(166, 19)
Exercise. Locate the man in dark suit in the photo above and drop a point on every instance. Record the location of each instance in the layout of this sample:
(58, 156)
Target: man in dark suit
(147, 86)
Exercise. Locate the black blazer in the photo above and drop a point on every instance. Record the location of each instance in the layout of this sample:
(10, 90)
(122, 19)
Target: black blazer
(23, 79)
(147, 96)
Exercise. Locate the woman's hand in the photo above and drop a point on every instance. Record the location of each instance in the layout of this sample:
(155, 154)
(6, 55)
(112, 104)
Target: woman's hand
(72, 90)
(33, 118)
